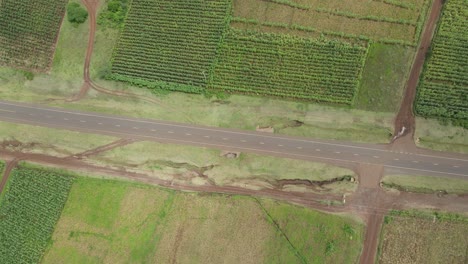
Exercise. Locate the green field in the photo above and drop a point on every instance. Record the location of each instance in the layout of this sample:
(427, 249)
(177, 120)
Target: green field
(424, 237)
(106, 221)
(30, 206)
(170, 44)
(288, 67)
(443, 90)
(29, 31)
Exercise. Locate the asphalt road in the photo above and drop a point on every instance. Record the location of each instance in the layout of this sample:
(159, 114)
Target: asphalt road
(234, 140)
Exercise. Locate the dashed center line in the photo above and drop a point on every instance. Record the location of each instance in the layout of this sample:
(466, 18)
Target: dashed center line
(170, 132)
(135, 127)
(279, 145)
(188, 134)
(243, 140)
(299, 147)
(317, 149)
(153, 130)
(415, 161)
(117, 125)
(99, 123)
(376, 157)
(225, 138)
(82, 121)
(355, 154)
(65, 119)
(261, 143)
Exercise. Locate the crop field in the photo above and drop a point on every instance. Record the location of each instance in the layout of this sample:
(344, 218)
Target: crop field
(170, 44)
(108, 221)
(294, 49)
(30, 206)
(443, 90)
(385, 21)
(288, 67)
(29, 31)
(420, 237)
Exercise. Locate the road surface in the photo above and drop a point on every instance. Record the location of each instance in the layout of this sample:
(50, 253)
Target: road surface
(235, 140)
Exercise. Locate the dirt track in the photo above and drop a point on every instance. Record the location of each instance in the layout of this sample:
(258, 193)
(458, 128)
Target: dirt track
(405, 117)
(6, 174)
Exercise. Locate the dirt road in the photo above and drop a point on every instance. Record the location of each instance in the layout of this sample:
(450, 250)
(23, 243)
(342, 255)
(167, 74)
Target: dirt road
(405, 117)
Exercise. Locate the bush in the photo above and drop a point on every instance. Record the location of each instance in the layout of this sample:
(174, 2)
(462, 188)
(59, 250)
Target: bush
(76, 14)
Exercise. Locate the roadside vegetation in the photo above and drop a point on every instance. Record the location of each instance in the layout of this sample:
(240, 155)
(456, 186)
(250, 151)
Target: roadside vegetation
(443, 90)
(426, 184)
(438, 135)
(423, 237)
(49, 141)
(28, 32)
(201, 166)
(118, 222)
(30, 206)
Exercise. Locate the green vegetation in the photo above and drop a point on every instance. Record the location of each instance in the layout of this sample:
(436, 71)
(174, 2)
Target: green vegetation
(29, 209)
(55, 142)
(107, 221)
(384, 77)
(423, 237)
(434, 134)
(199, 165)
(2, 167)
(169, 44)
(443, 90)
(28, 32)
(288, 67)
(76, 13)
(426, 184)
(115, 13)
(390, 22)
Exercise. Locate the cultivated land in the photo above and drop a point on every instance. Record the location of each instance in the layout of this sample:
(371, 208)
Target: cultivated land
(418, 237)
(443, 90)
(128, 222)
(30, 206)
(28, 32)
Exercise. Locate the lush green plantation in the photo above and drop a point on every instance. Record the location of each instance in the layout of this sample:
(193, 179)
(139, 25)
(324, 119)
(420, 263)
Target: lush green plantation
(288, 67)
(28, 32)
(170, 44)
(443, 90)
(30, 206)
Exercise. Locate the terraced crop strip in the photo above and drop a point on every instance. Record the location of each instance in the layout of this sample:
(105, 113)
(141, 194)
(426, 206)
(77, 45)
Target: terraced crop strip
(170, 44)
(443, 90)
(385, 21)
(29, 210)
(28, 32)
(288, 67)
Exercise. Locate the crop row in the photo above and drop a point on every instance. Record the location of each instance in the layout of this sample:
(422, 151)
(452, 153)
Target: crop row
(288, 67)
(33, 201)
(170, 42)
(443, 90)
(28, 31)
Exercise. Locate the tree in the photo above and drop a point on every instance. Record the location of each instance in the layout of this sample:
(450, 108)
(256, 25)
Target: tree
(76, 14)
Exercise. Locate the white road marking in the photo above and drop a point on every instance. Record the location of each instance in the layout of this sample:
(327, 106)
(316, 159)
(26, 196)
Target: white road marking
(99, 124)
(65, 119)
(243, 140)
(206, 136)
(279, 145)
(415, 161)
(170, 132)
(376, 157)
(317, 149)
(48, 116)
(299, 147)
(396, 159)
(117, 125)
(135, 127)
(261, 143)
(337, 152)
(9, 111)
(188, 134)
(82, 121)
(436, 164)
(455, 166)
(225, 138)
(153, 130)
(355, 154)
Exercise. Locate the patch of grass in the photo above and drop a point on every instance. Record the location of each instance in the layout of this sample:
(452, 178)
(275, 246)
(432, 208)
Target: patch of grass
(384, 77)
(151, 224)
(50, 141)
(318, 237)
(426, 184)
(414, 237)
(2, 167)
(431, 133)
(166, 160)
(29, 209)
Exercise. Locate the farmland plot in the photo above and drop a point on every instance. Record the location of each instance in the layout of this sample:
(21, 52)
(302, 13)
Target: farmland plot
(443, 90)
(170, 44)
(29, 31)
(288, 67)
(29, 209)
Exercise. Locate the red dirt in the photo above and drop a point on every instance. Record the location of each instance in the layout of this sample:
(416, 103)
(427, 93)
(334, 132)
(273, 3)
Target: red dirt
(405, 117)
(9, 167)
(119, 143)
